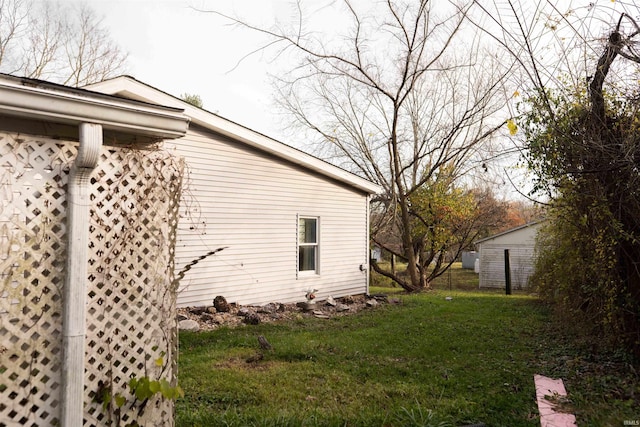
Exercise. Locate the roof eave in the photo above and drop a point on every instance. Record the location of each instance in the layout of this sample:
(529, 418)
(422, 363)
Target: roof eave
(511, 230)
(53, 104)
(129, 87)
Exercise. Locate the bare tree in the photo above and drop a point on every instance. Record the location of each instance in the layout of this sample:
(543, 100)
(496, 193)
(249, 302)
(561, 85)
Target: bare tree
(404, 97)
(44, 37)
(13, 20)
(90, 53)
(45, 40)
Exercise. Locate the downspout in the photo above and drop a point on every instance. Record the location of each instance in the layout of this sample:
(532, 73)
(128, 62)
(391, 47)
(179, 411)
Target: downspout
(73, 304)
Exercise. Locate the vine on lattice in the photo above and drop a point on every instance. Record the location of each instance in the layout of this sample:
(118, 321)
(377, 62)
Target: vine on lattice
(131, 291)
(131, 276)
(32, 240)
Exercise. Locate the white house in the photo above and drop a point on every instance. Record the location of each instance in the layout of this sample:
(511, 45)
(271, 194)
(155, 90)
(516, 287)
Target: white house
(283, 222)
(520, 242)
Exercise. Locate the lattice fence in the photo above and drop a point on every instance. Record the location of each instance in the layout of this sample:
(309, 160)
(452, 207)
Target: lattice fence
(131, 328)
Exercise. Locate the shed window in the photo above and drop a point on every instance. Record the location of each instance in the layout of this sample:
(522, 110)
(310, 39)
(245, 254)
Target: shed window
(308, 244)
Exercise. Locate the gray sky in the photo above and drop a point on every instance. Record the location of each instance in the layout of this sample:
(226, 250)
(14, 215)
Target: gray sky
(179, 50)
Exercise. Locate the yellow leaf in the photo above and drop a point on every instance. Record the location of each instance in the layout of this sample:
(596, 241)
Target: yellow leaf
(516, 93)
(159, 362)
(513, 128)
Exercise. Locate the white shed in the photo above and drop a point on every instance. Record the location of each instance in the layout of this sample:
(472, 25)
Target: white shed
(520, 242)
(288, 222)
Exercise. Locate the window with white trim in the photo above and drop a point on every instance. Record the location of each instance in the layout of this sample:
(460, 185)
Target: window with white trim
(308, 247)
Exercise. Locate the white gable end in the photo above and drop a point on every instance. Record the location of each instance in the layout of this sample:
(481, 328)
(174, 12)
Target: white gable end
(520, 244)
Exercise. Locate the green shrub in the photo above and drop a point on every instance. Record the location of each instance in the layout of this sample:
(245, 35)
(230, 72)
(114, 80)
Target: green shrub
(577, 269)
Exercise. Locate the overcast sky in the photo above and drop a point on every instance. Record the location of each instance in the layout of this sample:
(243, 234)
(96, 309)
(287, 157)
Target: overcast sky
(179, 50)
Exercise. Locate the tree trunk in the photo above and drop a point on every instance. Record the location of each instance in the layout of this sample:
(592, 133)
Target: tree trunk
(414, 283)
(424, 279)
(602, 69)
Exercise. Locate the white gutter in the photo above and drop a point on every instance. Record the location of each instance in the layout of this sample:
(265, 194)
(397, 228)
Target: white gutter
(73, 309)
(61, 104)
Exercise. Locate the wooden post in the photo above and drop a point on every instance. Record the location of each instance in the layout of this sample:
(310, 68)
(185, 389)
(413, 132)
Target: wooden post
(393, 264)
(507, 272)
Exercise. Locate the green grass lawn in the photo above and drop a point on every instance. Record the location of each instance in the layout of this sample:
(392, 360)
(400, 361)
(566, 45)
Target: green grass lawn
(426, 362)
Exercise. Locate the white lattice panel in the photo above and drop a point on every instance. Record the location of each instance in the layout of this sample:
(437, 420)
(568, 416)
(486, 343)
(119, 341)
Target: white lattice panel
(32, 218)
(130, 300)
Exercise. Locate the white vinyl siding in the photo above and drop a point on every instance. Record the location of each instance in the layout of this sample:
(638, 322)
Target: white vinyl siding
(521, 245)
(492, 271)
(249, 203)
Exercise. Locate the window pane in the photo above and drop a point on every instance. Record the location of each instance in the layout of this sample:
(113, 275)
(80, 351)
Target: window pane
(307, 258)
(307, 230)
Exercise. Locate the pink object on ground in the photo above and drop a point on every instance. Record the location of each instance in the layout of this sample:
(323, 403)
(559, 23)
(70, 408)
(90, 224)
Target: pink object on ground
(548, 416)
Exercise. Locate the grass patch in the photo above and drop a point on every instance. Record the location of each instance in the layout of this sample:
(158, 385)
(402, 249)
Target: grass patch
(426, 362)
(429, 359)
